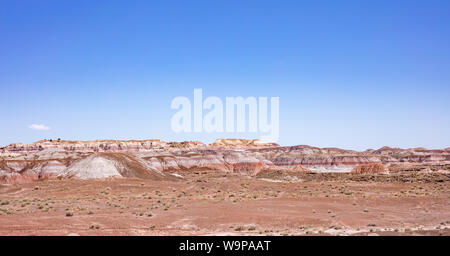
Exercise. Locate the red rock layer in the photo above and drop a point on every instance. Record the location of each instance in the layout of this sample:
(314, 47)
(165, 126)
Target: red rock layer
(370, 168)
(144, 159)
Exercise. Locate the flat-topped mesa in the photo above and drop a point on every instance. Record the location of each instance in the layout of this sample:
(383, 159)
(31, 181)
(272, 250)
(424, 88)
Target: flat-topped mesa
(389, 151)
(99, 146)
(236, 143)
(187, 144)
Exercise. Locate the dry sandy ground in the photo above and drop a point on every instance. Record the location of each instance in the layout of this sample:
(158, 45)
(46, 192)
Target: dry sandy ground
(209, 203)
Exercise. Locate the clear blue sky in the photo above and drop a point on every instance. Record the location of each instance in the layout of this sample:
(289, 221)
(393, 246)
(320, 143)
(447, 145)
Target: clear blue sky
(351, 74)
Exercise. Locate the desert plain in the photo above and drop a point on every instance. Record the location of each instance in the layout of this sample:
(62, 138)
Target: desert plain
(232, 187)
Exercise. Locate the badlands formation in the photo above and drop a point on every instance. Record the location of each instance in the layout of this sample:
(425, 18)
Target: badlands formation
(156, 159)
(230, 187)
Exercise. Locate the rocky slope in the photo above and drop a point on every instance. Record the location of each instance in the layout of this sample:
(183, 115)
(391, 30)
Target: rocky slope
(156, 159)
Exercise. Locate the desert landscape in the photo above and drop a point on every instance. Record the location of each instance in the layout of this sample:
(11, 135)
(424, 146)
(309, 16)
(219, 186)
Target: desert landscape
(229, 187)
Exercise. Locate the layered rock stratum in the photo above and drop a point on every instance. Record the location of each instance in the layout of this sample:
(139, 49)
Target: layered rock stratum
(160, 160)
(370, 168)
